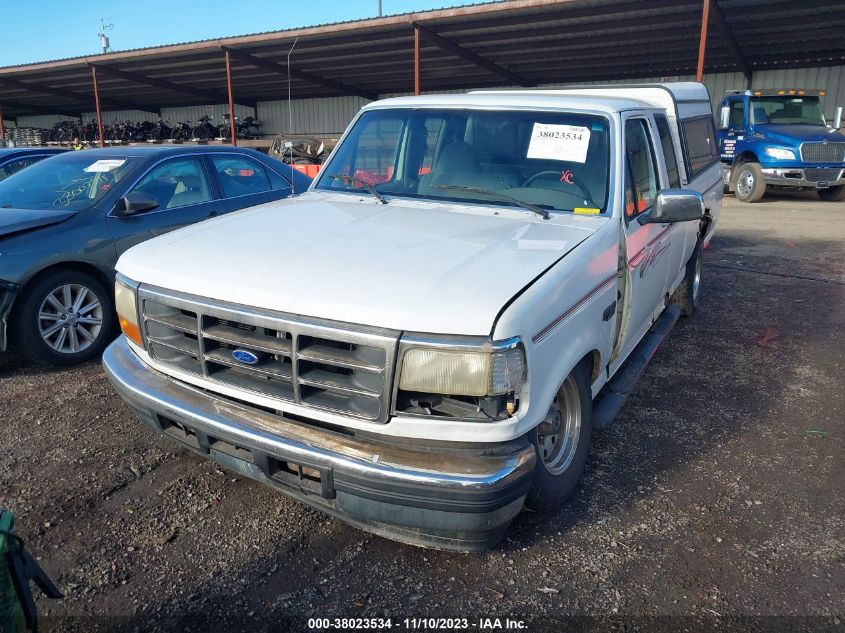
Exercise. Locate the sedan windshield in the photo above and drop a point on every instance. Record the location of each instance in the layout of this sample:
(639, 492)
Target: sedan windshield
(74, 181)
(786, 110)
(556, 161)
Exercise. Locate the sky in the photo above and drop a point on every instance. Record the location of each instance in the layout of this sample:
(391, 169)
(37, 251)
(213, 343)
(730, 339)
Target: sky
(52, 29)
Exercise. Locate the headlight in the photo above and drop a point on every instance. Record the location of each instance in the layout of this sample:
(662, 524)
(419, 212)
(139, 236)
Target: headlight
(780, 153)
(466, 373)
(126, 306)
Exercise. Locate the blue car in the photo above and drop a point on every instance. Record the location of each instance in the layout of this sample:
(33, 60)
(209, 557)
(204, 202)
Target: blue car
(12, 160)
(65, 220)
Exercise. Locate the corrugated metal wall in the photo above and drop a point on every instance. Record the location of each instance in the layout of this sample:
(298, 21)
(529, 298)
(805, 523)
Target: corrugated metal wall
(317, 117)
(43, 120)
(121, 115)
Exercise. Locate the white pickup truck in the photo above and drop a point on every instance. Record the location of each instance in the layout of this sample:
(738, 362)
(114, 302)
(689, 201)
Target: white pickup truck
(424, 341)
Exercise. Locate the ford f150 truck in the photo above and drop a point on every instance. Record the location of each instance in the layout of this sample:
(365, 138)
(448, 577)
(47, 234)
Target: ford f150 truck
(779, 138)
(425, 340)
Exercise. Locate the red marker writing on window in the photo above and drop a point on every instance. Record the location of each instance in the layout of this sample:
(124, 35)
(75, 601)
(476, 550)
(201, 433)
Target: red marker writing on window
(567, 177)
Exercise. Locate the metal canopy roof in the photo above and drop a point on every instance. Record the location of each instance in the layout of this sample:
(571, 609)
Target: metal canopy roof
(516, 42)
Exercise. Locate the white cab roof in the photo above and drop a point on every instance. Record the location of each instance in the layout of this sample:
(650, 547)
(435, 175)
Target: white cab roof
(517, 99)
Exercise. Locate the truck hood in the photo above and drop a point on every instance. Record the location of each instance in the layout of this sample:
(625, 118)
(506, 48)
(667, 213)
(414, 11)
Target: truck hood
(406, 265)
(17, 220)
(793, 135)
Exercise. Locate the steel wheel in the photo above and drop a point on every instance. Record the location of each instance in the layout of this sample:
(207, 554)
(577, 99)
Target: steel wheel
(70, 318)
(745, 183)
(558, 442)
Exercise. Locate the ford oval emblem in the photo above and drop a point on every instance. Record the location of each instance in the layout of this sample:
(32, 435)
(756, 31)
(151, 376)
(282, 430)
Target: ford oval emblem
(245, 356)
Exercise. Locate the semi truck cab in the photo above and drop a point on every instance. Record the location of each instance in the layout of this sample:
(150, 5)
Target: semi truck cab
(780, 138)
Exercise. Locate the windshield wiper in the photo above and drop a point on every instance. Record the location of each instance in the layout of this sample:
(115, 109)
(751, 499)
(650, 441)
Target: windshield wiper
(361, 183)
(501, 196)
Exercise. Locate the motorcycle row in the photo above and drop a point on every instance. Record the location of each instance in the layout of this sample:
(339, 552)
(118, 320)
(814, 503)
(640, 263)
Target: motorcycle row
(127, 131)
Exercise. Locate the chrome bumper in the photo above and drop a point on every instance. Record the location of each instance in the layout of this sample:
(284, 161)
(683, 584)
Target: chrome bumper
(798, 178)
(452, 498)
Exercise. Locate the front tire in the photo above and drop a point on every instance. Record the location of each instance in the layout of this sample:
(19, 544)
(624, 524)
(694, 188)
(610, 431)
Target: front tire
(749, 185)
(65, 318)
(686, 296)
(832, 194)
(561, 443)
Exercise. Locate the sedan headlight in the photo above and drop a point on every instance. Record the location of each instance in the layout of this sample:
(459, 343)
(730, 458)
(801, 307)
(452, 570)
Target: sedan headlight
(780, 153)
(126, 306)
(491, 372)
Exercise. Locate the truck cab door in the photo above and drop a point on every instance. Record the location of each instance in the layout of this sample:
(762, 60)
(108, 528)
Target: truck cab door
(733, 133)
(646, 246)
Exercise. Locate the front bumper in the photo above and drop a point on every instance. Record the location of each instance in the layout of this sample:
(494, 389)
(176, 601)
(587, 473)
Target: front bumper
(461, 499)
(795, 177)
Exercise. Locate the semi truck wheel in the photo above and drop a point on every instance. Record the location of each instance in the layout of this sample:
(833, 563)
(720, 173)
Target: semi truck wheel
(832, 194)
(561, 442)
(749, 184)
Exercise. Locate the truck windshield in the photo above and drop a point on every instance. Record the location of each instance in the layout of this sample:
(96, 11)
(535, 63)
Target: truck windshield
(557, 161)
(75, 181)
(786, 110)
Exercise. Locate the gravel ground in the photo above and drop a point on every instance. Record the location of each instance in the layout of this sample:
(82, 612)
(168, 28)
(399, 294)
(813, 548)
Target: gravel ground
(717, 500)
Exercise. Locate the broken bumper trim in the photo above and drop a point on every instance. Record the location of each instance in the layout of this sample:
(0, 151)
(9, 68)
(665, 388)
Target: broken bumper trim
(461, 499)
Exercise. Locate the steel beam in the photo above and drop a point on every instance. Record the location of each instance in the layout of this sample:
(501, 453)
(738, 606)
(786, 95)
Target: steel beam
(283, 70)
(58, 92)
(232, 127)
(138, 78)
(416, 59)
(702, 41)
(2, 128)
(475, 58)
(728, 34)
(97, 104)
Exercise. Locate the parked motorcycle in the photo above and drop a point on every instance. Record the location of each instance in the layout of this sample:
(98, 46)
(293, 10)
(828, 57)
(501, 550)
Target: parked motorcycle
(206, 130)
(182, 131)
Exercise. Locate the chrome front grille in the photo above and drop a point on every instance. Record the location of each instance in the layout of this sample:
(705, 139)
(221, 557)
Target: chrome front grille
(823, 152)
(313, 363)
(822, 175)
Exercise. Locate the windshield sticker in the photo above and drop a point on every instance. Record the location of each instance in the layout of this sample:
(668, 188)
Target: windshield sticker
(559, 142)
(105, 165)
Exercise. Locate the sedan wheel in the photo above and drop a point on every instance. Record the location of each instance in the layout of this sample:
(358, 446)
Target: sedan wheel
(70, 319)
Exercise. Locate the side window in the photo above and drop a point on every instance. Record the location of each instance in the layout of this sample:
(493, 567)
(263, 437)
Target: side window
(176, 183)
(277, 181)
(700, 136)
(239, 176)
(641, 181)
(737, 116)
(15, 166)
(668, 151)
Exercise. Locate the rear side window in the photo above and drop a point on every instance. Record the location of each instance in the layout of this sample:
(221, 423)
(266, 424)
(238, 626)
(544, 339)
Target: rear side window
(641, 180)
(668, 151)
(700, 136)
(240, 176)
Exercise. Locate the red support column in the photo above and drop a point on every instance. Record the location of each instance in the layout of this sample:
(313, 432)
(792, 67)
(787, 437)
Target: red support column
(232, 128)
(702, 42)
(416, 60)
(97, 104)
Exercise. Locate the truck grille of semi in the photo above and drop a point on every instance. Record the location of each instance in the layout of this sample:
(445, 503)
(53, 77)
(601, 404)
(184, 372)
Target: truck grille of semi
(823, 152)
(317, 364)
(822, 175)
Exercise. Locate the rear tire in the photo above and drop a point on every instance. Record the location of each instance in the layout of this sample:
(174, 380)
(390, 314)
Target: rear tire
(749, 184)
(64, 318)
(686, 296)
(832, 194)
(562, 451)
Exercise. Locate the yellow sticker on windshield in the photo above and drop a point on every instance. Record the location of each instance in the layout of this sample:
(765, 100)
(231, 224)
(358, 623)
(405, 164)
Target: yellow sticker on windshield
(586, 211)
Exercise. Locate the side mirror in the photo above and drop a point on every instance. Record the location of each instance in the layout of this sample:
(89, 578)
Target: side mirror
(724, 118)
(674, 205)
(135, 202)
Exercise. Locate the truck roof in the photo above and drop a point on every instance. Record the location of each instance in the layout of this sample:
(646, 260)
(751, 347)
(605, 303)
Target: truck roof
(517, 99)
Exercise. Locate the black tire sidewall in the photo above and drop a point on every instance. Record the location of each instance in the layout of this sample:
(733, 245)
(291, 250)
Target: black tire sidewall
(832, 194)
(25, 335)
(549, 491)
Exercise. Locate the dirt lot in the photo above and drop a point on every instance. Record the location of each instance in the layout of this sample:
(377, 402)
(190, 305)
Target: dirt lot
(719, 493)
